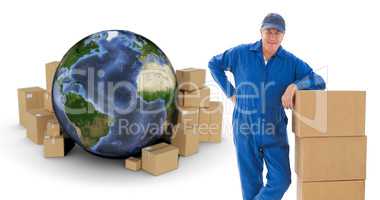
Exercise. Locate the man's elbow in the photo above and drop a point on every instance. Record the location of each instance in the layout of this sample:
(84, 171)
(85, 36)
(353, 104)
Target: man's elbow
(212, 64)
(320, 83)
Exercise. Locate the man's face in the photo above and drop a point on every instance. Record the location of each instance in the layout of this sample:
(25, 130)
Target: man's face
(271, 39)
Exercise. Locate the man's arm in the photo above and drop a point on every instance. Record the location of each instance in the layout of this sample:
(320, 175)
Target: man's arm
(306, 79)
(218, 65)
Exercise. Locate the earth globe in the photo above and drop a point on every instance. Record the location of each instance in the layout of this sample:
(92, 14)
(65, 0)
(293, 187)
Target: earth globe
(114, 93)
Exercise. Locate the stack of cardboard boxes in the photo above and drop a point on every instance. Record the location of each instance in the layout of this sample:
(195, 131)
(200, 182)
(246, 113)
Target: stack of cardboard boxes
(330, 145)
(192, 94)
(195, 109)
(198, 120)
(37, 116)
(55, 144)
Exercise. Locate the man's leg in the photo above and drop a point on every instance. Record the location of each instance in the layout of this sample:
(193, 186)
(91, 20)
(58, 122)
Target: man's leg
(279, 176)
(250, 163)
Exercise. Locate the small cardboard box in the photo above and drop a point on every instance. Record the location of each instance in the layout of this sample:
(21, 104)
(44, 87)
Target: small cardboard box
(52, 128)
(36, 124)
(29, 98)
(50, 69)
(187, 116)
(55, 147)
(210, 122)
(186, 139)
(331, 190)
(329, 113)
(331, 158)
(160, 158)
(195, 98)
(190, 78)
(48, 105)
(133, 163)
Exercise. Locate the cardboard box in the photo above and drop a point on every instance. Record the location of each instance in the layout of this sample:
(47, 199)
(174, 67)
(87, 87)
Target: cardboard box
(329, 113)
(52, 128)
(216, 119)
(331, 190)
(190, 78)
(195, 98)
(57, 146)
(204, 124)
(54, 147)
(210, 122)
(160, 158)
(48, 104)
(186, 139)
(133, 163)
(50, 69)
(29, 98)
(331, 158)
(187, 116)
(36, 124)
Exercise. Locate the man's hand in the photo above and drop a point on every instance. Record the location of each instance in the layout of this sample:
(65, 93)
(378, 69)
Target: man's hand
(287, 98)
(233, 99)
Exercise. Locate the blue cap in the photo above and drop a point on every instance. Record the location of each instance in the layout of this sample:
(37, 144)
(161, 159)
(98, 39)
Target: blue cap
(273, 20)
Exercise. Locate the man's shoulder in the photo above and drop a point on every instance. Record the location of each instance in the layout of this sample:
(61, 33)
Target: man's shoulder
(240, 48)
(289, 55)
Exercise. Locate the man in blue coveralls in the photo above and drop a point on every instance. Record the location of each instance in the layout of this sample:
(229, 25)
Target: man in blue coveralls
(266, 79)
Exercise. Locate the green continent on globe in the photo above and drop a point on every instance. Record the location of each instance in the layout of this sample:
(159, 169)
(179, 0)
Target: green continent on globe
(166, 95)
(149, 48)
(77, 52)
(90, 124)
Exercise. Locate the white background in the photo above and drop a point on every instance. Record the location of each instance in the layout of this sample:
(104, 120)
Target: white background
(344, 36)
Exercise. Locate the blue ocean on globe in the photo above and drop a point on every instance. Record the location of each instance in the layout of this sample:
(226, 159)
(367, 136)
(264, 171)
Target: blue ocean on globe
(114, 93)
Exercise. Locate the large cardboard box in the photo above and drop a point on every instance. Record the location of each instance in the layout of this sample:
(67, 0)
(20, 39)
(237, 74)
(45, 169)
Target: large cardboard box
(329, 113)
(187, 116)
(186, 139)
(50, 69)
(29, 98)
(210, 122)
(331, 158)
(36, 124)
(48, 104)
(160, 158)
(190, 78)
(331, 190)
(133, 163)
(57, 146)
(195, 98)
(52, 128)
